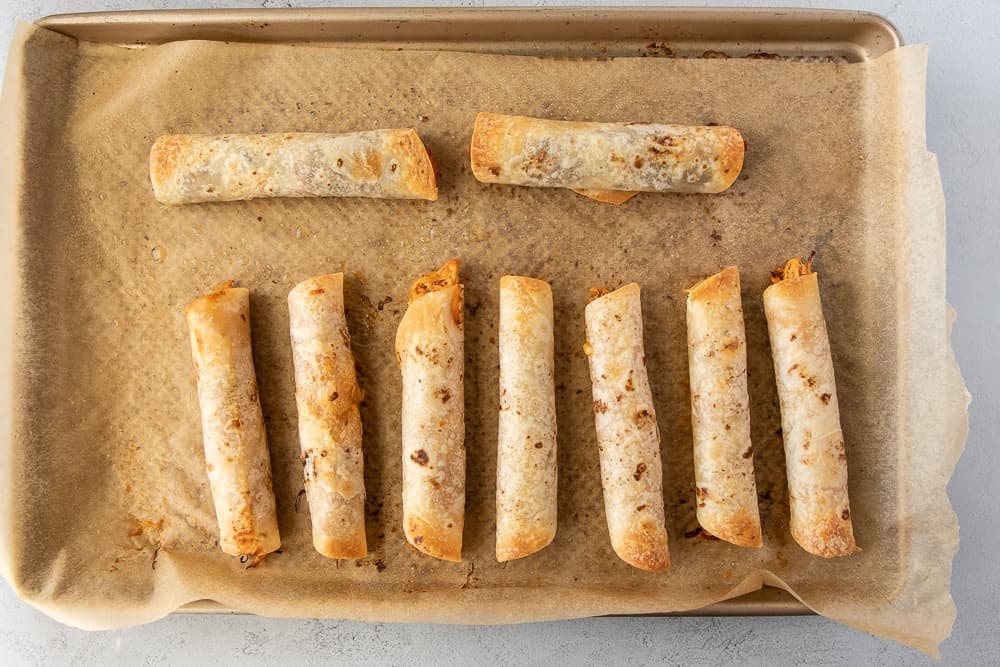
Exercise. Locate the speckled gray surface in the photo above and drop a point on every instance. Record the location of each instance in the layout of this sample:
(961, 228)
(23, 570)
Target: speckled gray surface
(963, 96)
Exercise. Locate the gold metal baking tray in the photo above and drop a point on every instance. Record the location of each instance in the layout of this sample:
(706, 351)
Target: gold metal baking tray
(799, 33)
(846, 36)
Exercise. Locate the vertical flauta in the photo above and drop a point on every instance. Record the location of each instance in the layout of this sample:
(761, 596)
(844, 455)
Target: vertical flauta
(327, 396)
(810, 416)
(236, 456)
(430, 349)
(627, 435)
(720, 410)
(526, 443)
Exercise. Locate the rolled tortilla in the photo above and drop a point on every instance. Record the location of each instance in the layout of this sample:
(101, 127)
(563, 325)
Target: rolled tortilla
(526, 449)
(236, 456)
(191, 168)
(815, 455)
(594, 158)
(430, 348)
(627, 436)
(720, 411)
(327, 396)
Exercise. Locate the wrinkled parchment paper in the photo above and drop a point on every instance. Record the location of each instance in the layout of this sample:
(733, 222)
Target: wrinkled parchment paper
(108, 520)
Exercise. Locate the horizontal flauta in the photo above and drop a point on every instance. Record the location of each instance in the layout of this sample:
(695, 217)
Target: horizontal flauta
(605, 161)
(236, 455)
(815, 452)
(192, 168)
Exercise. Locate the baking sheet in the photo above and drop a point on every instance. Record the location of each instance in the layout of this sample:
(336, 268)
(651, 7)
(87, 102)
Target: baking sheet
(110, 519)
(801, 34)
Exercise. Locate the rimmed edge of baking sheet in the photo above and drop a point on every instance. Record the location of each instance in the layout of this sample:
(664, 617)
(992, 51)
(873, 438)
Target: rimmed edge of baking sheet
(600, 32)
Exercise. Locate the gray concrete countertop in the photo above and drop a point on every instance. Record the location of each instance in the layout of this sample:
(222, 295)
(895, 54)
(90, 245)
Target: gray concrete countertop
(963, 101)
